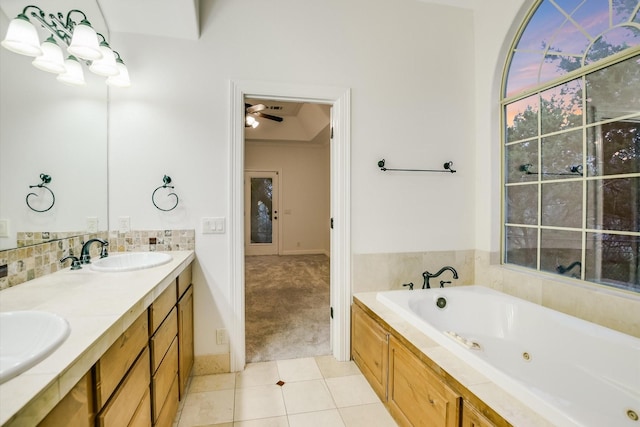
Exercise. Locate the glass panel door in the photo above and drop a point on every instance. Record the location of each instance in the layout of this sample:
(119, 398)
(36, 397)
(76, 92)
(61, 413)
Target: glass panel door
(261, 213)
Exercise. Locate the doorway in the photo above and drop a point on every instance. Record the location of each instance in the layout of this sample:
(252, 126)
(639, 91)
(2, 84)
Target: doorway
(287, 234)
(340, 270)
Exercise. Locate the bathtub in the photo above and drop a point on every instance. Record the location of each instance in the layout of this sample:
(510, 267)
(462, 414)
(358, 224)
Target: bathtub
(570, 371)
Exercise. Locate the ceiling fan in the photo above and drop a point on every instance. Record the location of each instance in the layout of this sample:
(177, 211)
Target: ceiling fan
(256, 110)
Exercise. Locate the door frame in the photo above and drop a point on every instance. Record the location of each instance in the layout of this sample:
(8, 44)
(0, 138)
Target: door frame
(247, 191)
(340, 100)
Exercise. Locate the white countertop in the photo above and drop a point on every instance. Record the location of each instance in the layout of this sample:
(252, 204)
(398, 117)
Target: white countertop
(507, 406)
(99, 308)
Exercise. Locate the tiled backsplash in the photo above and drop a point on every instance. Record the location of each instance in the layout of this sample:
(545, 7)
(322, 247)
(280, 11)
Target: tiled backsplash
(29, 262)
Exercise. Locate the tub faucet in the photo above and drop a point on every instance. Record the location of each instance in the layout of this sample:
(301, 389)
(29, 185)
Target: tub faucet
(428, 276)
(85, 256)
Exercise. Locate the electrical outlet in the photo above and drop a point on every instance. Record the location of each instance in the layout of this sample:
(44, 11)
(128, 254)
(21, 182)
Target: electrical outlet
(124, 224)
(92, 224)
(221, 336)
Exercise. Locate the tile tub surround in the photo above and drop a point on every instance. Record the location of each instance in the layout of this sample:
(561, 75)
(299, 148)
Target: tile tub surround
(501, 401)
(98, 308)
(387, 271)
(30, 262)
(603, 305)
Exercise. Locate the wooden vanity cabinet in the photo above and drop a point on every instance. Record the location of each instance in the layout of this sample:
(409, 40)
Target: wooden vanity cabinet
(416, 396)
(185, 338)
(75, 409)
(370, 350)
(140, 379)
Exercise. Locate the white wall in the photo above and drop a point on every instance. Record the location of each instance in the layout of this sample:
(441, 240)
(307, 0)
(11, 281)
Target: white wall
(410, 67)
(304, 190)
(496, 23)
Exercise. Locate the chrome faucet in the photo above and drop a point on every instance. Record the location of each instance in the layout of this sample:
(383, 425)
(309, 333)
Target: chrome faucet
(85, 256)
(428, 276)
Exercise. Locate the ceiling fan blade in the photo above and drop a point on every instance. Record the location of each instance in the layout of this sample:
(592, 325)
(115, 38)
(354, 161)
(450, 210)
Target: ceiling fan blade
(255, 108)
(268, 116)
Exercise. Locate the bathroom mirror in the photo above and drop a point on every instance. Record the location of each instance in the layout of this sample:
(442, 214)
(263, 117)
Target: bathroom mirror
(47, 127)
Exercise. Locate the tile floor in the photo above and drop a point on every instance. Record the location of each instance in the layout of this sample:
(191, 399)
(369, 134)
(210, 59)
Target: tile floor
(317, 391)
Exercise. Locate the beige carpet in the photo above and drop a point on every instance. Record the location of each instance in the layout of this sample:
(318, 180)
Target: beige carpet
(286, 307)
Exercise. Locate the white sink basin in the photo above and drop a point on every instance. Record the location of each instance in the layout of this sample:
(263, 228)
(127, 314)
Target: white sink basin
(27, 338)
(130, 261)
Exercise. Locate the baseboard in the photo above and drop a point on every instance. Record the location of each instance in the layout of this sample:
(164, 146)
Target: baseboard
(305, 252)
(209, 364)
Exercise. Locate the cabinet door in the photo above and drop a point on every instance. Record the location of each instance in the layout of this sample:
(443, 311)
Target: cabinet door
(471, 417)
(369, 350)
(185, 339)
(417, 397)
(75, 409)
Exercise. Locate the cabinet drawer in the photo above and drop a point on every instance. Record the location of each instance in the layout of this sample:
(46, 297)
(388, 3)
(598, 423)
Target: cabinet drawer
(142, 416)
(161, 340)
(124, 402)
(170, 407)
(162, 381)
(75, 409)
(161, 307)
(116, 361)
(184, 280)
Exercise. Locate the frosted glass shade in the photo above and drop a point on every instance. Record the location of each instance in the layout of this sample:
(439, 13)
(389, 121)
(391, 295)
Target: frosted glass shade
(105, 66)
(22, 37)
(122, 78)
(84, 42)
(51, 59)
(73, 74)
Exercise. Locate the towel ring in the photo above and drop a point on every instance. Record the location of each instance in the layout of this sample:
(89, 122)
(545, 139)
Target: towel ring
(166, 180)
(45, 180)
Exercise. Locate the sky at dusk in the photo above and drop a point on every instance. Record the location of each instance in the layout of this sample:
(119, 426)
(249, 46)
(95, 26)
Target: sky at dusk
(567, 29)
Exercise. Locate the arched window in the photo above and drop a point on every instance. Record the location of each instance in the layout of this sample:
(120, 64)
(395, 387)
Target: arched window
(571, 142)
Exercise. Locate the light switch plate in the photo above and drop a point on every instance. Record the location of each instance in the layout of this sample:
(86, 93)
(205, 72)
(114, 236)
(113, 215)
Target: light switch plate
(4, 228)
(211, 225)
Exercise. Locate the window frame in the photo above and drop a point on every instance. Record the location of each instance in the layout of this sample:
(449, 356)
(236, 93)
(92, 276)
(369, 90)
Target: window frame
(580, 74)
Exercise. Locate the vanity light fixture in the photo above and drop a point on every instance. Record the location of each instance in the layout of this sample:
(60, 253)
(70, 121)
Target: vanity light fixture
(82, 41)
